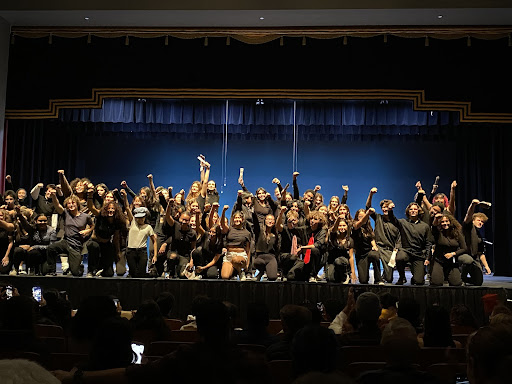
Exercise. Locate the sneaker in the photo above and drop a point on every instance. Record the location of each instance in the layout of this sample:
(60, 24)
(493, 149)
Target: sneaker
(22, 272)
(166, 275)
(242, 276)
(381, 283)
(89, 274)
(65, 271)
(320, 277)
(347, 280)
(13, 272)
(312, 279)
(98, 274)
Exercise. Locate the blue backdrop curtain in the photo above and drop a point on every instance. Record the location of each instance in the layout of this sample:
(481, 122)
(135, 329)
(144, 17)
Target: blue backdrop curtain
(476, 155)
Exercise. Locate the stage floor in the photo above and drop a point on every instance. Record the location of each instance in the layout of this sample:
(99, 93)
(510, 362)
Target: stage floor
(132, 292)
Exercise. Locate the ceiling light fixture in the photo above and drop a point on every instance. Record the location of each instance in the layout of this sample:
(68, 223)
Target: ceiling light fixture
(86, 18)
(439, 16)
(262, 18)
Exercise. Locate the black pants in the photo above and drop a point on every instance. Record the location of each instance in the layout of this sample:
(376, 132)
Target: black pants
(286, 262)
(202, 257)
(363, 267)
(101, 257)
(471, 267)
(447, 270)
(417, 267)
(176, 267)
(266, 262)
(36, 260)
(137, 259)
(337, 270)
(74, 257)
(385, 256)
(302, 271)
(19, 256)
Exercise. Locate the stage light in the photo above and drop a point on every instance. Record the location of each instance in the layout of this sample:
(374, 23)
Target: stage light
(259, 102)
(439, 16)
(86, 18)
(262, 18)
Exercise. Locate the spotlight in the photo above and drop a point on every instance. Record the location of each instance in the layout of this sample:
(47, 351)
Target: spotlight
(439, 16)
(86, 18)
(262, 18)
(383, 102)
(259, 102)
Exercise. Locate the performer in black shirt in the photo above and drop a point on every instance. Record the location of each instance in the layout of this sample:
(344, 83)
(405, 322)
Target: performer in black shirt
(416, 243)
(471, 228)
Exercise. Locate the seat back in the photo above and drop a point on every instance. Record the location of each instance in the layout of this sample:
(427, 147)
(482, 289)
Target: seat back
(55, 344)
(448, 373)
(43, 330)
(186, 336)
(356, 353)
(274, 327)
(174, 324)
(354, 370)
(281, 371)
(66, 361)
(162, 348)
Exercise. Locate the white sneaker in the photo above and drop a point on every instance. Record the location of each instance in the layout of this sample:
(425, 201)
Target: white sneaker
(347, 280)
(89, 274)
(242, 276)
(381, 283)
(98, 274)
(312, 279)
(13, 272)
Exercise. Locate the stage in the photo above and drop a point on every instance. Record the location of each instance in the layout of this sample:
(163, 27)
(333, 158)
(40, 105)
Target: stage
(132, 292)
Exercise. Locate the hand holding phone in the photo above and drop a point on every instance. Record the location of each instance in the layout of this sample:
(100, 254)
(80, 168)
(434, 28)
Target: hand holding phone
(36, 294)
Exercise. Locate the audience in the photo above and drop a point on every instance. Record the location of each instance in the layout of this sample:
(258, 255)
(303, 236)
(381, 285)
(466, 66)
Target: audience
(256, 330)
(165, 301)
(149, 318)
(437, 329)
(368, 310)
(293, 318)
(462, 320)
(409, 309)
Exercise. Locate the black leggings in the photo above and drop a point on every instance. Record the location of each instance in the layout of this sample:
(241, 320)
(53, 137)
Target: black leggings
(101, 257)
(338, 270)
(417, 267)
(445, 271)
(266, 262)
(363, 267)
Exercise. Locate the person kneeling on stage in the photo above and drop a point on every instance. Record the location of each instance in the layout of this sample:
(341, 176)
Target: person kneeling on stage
(450, 247)
(313, 251)
(291, 237)
(182, 241)
(138, 234)
(416, 239)
(207, 256)
(267, 245)
(366, 249)
(471, 228)
(77, 229)
(340, 258)
(238, 245)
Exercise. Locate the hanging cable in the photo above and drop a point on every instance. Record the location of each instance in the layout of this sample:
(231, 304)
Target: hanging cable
(294, 165)
(225, 150)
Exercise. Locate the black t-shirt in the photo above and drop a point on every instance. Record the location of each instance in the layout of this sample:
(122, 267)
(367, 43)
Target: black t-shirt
(287, 237)
(105, 229)
(474, 243)
(237, 237)
(181, 240)
(337, 249)
(362, 243)
(445, 244)
(386, 233)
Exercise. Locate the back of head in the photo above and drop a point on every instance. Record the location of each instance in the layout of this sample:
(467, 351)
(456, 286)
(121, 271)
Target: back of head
(387, 300)
(314, 349)
(165, 301)
(257, 316)
(400, 342)
(438, 331)
(489, 354)
(316, 314)
(92, 311)
(332, 308)
(18, 313)
(213, 322)
(461, 315)
(26, 372)
(294, 317)
(112, 345)
(409, 309)
(368, 308)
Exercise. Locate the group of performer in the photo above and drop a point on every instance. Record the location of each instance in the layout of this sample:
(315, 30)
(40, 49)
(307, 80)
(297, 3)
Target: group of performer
(282, 237)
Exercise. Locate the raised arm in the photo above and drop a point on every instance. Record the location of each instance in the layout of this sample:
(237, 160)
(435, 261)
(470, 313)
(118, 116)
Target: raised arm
(451, 204)
(223, 225)
(279, 223)
(58, 208)
(9, 184)
(358, 224)
(23, 220)
(205, 178)
(373, 191)
(199, 228)
(296, 194)
(127, 189)
(90, 204)
(152, 186)
(34, 193)
(215, 208)
(129, 214)
(63, 181)
(344, 198)
(168, 213)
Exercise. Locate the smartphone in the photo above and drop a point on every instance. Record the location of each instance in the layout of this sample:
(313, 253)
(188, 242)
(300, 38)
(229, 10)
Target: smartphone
(36, 294)
(8, 291)
(138, 350)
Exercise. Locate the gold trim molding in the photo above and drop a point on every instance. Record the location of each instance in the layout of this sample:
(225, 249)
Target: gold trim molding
(416, 96)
